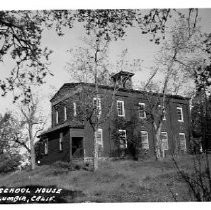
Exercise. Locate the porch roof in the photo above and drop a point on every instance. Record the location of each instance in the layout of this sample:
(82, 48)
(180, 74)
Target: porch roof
(69, 124)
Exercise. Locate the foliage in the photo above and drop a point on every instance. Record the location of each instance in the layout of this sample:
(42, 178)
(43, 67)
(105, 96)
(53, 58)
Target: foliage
(9, 133)
(31, 121)
(133, 138)
(9, 157)
(199, 181)
(21, 35)
(81, 65)
(4, 132)
(9, 163)
(16, 134)
(113, 23)
(175, 62)
(202, 77)
(198, 114)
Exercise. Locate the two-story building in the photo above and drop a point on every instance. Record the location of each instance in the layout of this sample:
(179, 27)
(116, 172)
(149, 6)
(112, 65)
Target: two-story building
(74, 116)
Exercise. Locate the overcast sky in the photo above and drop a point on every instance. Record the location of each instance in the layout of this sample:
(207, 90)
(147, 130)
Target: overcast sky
(138, 46)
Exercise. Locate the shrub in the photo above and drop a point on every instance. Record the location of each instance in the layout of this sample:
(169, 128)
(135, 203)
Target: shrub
(66, 166)
(9, 163)
(143, 154)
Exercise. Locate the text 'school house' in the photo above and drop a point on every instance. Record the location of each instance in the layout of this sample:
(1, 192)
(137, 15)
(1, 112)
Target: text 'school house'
(121, 110)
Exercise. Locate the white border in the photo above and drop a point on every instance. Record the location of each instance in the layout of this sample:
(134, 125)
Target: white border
(98, 4)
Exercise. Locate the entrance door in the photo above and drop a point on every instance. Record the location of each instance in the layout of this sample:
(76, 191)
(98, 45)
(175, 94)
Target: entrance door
(77, 147)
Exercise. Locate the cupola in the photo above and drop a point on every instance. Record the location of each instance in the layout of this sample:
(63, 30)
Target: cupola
(123, 79)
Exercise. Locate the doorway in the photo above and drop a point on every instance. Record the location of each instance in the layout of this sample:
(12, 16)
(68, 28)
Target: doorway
(77, 147)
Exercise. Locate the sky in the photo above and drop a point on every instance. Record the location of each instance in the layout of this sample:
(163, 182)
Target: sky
(138, 45)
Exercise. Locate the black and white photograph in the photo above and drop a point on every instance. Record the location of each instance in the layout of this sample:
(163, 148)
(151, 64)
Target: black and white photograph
(105, 105)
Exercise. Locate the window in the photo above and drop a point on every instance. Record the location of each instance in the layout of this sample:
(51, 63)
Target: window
(122, 139)
(144, 140)
(46, 146)
(179, 114)
(97, 105)
(120, 109)
(142, 113)
(182, 141)
(164, 140)
(61, 142)
(74, 109)
(65, 113)
(57, 117)
(99, 136)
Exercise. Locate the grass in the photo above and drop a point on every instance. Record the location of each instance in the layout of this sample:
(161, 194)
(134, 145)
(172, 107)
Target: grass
(114, 181)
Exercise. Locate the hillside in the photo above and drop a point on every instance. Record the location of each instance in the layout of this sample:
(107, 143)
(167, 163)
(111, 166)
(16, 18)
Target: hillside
(115, 181)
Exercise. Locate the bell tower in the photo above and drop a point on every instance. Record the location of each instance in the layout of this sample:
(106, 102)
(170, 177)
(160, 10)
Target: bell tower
(123, 79)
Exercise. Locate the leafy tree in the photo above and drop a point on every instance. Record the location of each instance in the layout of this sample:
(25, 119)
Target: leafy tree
(199, 181)
(91, 65)
(9, 157)
(82, 61)
(174, 63)
(17, 134)
(31, 123)
(20, 34)
(9, 162)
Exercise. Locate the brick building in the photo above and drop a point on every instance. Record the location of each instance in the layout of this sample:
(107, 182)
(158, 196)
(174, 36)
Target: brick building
(71, 136)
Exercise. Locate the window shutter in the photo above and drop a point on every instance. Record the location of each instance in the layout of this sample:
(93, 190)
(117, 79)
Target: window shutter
(61, 142)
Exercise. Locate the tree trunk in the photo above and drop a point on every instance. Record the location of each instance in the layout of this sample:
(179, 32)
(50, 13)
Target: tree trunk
(33, 163)
(158, 147)
(95, 151)
(97, 111)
